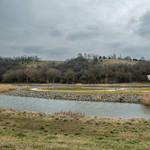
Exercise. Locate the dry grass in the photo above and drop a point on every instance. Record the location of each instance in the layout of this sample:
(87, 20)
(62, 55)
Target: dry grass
(7, 87)
(79, 84)
(96, 98)
(36, 131)
(71, 113)
(146, 98)
(25, 87)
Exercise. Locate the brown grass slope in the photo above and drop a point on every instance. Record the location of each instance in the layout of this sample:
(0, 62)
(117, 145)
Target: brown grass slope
(30, 130)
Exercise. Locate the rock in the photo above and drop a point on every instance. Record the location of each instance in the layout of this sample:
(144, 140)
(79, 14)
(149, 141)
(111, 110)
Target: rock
(128, 98)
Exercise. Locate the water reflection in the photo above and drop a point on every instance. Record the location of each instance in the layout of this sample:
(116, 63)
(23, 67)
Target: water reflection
(121, 110)
(145, 108)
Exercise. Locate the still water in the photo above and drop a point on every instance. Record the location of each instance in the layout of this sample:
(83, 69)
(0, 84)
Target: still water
(49, 106)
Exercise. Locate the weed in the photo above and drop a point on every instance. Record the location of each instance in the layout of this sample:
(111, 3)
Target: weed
(100, 138)
(42, 128)
(111, 131)
(40, 114)
(51, 137)
(20, 134)
(94, 130)
(9, 146)
(129, 123)
(65, 120)
(132, 141)
(96, 123)
(146, 122)
(77, 133)
(47, 125)
(88, 144)
(118, 123)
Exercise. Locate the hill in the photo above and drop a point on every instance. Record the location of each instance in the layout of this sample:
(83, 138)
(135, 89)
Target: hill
(75, 70)
(41, 63)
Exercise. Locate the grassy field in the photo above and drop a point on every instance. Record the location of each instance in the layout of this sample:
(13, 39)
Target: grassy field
(117, 61)
(30, 130)
(35, 64)
(127, 88)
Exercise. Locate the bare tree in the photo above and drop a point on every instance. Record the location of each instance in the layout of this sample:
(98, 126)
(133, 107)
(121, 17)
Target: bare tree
(52, 73)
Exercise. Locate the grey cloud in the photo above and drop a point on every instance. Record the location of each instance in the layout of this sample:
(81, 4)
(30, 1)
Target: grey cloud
(135, 51)
(143, 28)
(41, 50)
(58, 51)
(28, 48)
(90, 32)
(56, 33)
(132, 23)
(56, 29)
(117, 45)
(81, 35)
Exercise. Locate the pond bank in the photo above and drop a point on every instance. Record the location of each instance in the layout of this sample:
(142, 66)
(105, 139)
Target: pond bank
(127, 98)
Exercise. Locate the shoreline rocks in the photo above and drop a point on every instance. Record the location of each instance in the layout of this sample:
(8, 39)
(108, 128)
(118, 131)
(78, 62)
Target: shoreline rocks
(126, 98)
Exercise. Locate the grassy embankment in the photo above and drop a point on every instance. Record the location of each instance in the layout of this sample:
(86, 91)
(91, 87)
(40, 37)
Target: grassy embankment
(30, 130)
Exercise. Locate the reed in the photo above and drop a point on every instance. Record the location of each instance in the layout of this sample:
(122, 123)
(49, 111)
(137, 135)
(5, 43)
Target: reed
(96, 98)
(70, 113)
(7, 87)
(146, 98)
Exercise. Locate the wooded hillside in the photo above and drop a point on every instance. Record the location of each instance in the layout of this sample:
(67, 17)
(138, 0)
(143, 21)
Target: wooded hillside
(75, 70)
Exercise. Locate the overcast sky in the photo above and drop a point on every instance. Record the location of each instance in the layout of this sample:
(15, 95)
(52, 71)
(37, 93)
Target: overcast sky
(60, 29)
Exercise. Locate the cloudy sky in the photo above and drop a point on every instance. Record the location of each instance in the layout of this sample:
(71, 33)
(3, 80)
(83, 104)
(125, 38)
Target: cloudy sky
(60, 29)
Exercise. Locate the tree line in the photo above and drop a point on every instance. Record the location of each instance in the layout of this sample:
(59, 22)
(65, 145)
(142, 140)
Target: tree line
(24, 58)
(75, 70)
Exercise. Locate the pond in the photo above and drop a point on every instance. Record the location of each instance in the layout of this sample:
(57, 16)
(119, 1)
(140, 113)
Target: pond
(50, 106)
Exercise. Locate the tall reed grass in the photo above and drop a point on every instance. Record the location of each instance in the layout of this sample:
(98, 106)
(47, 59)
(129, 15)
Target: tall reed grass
(71, 113)
(7, 87)
(146, 98)
(96, 98)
